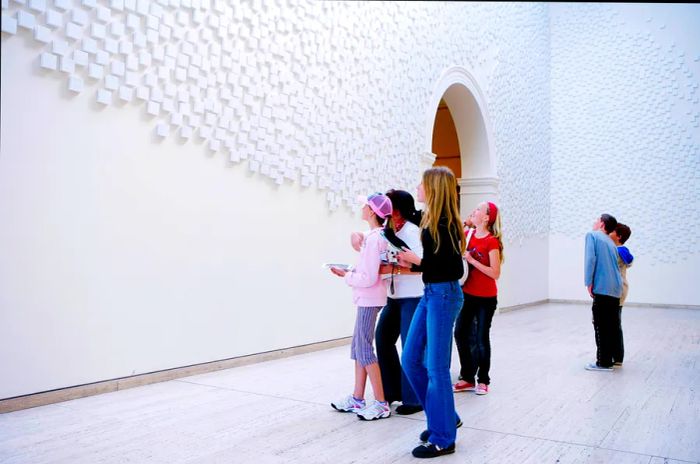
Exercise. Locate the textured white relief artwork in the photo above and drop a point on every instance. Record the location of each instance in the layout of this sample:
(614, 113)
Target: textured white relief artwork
(625, 136)
(332, 95)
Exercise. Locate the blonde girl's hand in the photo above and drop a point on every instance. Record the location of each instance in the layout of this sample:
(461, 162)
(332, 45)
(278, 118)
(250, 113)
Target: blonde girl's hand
(338, 272)
(407, 257)
(356, 240)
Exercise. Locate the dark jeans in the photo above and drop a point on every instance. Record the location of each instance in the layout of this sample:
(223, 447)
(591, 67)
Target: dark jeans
(472, 334)
(619, 351)
(606, 325)
(394, 320)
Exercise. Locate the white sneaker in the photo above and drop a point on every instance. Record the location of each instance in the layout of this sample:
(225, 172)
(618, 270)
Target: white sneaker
(348, 404)
(375, 410)
(595, 367)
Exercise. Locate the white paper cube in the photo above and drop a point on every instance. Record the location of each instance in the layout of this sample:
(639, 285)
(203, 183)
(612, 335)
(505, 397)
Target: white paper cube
(62, 4)
(76, 84)
(131, 79)
(162, 129)
(143, 93)
(126, 93)
(153, 108)
(104, 14)
(9, 24)
(74, 31)
(80, 57)
(125, 47)
(111, 45)
(26, 19)
(101, 57)
(38, 5)
(48, 61)
(67, 65)
(118, 68)
(104, 96)
(98, 31)
(95, 71)
(89, 45)
(42, 34)
(111, 82)
(54, 18)
(80, 17)
(117, 29)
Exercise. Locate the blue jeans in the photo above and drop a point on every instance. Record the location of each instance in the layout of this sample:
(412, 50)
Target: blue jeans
(427, 355)
(394, 320)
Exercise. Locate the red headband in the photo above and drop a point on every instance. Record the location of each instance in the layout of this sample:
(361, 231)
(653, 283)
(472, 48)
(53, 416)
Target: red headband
(493, 213)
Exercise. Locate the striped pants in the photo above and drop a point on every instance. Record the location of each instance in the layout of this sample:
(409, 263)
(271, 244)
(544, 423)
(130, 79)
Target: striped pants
(361, 349)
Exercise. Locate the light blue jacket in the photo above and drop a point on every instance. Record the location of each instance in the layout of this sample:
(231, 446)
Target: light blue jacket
(600, 265)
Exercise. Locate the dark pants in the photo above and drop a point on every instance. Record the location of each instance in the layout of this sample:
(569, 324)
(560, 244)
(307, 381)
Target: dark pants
(619, 351)
(472, 334)
(394, 320)
(606, 325)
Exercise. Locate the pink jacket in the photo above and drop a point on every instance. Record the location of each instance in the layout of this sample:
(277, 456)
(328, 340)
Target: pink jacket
(367, 288)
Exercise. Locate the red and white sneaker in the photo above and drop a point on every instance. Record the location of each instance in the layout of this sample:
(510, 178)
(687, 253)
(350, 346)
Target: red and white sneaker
(463, 386)
(482, 389)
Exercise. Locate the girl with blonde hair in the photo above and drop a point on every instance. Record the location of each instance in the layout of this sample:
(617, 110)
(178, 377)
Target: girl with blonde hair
(472, 331)
(428, 350)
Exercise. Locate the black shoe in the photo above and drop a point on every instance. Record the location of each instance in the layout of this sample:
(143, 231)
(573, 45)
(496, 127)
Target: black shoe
(406, 409)
(429, 450)
(425, 434)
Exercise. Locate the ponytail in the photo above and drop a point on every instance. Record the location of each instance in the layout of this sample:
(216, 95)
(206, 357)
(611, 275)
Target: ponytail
(495, 229)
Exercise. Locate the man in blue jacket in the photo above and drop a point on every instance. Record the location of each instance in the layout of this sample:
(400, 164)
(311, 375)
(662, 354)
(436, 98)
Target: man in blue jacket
(604, 282)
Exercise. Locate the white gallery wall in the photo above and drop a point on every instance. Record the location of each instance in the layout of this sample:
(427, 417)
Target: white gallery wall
(625, 140)
(174, 172)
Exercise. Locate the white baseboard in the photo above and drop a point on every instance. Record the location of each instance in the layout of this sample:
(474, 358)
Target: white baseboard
(106, 386)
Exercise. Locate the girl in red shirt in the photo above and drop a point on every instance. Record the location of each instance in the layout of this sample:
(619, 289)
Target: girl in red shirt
(484, 255)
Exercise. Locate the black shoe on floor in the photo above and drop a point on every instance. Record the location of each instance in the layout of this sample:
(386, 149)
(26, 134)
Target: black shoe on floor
(429, 450)
(425, 434)
(406, 409)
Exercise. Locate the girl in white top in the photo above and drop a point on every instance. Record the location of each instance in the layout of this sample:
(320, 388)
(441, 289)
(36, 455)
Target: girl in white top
(405, 289)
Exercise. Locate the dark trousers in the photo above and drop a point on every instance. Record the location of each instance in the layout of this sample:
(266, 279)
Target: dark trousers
(606, 325)
(619, 351)
(394, 321)
(472, 335)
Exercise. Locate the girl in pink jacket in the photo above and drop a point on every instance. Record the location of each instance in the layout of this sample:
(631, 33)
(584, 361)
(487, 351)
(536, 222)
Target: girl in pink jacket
(369, 294)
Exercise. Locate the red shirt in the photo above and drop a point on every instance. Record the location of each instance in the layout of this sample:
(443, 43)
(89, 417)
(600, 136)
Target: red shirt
(478, 283)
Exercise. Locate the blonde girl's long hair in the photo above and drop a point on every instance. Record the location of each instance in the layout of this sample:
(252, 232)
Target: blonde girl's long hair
(440, 187)
(496, 230)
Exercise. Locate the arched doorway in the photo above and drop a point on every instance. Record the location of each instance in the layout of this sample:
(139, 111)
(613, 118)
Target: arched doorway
(445, 140)
(460, 137)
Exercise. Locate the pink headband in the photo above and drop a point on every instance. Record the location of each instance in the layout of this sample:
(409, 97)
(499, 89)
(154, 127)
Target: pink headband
(493, 213)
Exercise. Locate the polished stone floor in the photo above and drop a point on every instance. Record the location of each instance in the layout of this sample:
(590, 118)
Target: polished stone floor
(543, 406)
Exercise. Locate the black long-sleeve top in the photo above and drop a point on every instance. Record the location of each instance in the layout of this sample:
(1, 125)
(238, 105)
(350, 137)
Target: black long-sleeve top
(446, 264)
